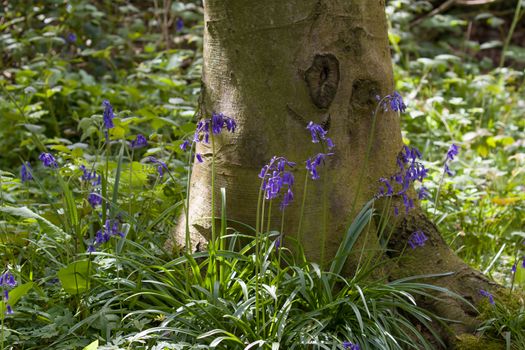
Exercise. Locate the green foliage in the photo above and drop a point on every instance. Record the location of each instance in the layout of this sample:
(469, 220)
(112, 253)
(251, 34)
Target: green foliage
(456, 95)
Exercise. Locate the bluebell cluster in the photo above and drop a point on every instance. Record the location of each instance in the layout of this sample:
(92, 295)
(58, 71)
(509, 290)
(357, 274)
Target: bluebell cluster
(108, 115)
(410, 170)
(110, 229)
(48, 160)
(275, 177)
(417, 239)
(394, 102)
(7, 281)
(216, 124)
(139, 142)
(26, 172)
(351, 346)
(486, 294)
(161, 166)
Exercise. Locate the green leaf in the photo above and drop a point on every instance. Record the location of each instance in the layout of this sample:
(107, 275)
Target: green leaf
(15, 295)
(24, 212)
(92, 346)
(74, 277)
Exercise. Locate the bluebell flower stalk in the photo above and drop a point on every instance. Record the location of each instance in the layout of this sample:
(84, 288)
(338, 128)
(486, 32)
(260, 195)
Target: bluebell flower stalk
(48, 160)
(26, 172)
(108, 115)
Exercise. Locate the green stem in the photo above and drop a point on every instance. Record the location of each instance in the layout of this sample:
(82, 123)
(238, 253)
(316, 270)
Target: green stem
(325, 218)
(517, 15)
(301, 214)
(367, 155)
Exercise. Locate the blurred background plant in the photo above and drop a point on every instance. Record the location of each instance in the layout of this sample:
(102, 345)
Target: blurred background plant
(61, 59)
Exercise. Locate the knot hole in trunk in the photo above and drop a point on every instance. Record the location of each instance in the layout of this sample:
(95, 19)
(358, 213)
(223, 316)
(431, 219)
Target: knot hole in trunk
(322, 79)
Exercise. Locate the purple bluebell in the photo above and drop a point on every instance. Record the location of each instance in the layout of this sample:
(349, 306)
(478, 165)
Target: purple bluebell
(179, 24)
(26, 172)
(423, 193)
(161, 166)
(94, 199)
(7, 280)
(185, 145)
(90, 176)
(417, 239)
(389, 190)
(513, 269)
(216, 124)
(71, 37)
(486, 294)
(48, 160)
(277, 244)
(91, 248)
(396, 211)
(110, 229)
(139, 142)
(351, 346)
(319, 134)
(523, 262)
(275, 177)
(452, 152)
(410, 170)
(108, 115)
(199, 157)
(9, 309)
(314, 162)
(393, 102)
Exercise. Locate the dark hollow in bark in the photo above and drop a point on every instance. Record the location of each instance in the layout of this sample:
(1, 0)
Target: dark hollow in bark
(323, 79)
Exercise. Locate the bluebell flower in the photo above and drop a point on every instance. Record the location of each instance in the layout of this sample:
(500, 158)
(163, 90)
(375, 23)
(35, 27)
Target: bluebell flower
(110, 229)
(91, 248)
(417, 239)
(390, 190)
(71, 37)
(393, 102)
(7, 280)
(314, 162)
(179, 24)
(108, 115)
(319, 134)
(185, 145)
(199, 157)
(26, 173)
(48, 160)
(216, 124)
(160, 165)
(90, 176)
(513, 269)
(486, 294)
(411, 170)
(452, 152)
(423, 193)
(94, 199)
(275, 177)
(139, 142)
(351, 346)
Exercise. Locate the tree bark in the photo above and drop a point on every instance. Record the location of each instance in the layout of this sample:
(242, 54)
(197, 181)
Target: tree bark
(275, 65)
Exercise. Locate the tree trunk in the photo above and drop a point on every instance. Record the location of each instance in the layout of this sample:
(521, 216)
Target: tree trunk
(275, 65)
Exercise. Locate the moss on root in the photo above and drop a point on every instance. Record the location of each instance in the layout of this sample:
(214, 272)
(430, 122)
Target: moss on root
(471, 342)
